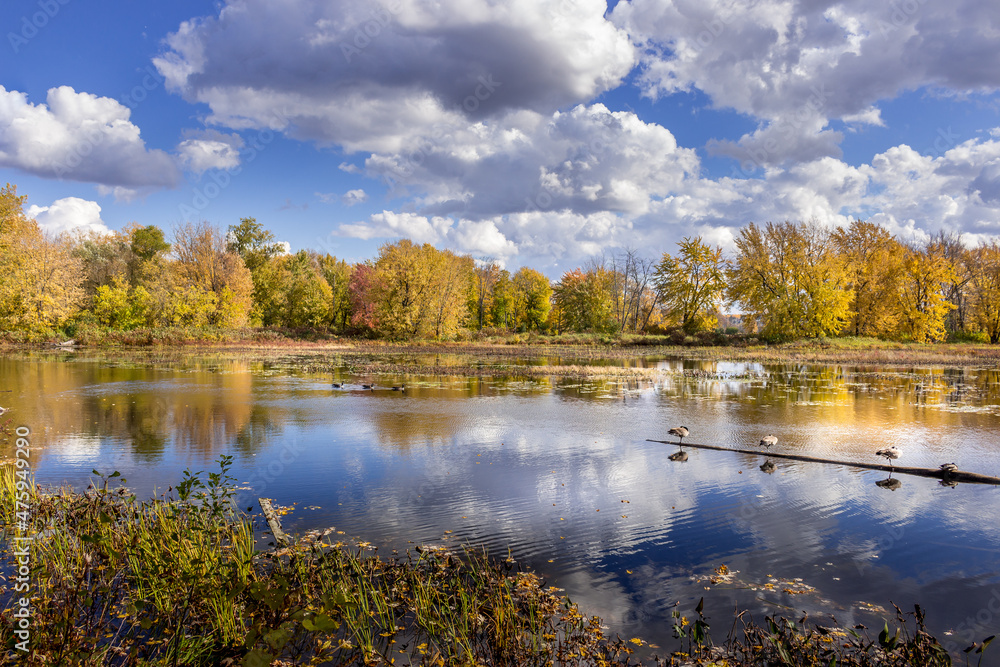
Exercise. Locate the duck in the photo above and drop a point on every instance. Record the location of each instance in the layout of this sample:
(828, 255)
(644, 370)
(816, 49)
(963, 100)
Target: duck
(890, 454)
(890, 483)
(681, 432)
(401, 387)
(337, 385)
(368, 386)
(768, 441)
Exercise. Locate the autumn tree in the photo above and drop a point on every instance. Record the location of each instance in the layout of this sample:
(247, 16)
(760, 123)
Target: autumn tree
(956, 290)
(871, 259)
(204, 262)
(419, 291)
(39, 276)
(584, 300)
(634, 298)
(788, 278)
(362, 291)
(486, 274)
(532, 299)
(691, 285)
(337, 274)
(920, 297)
(257, 247)
(984, 297)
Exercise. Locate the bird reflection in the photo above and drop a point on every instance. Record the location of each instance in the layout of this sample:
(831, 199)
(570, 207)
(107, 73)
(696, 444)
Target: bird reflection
(679, 456)
(889, 483)
(768, 466)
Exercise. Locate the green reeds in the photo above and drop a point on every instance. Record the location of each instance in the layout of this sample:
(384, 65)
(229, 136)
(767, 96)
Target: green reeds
(176, 581)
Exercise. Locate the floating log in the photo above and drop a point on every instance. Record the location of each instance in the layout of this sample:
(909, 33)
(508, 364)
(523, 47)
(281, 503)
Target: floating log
(280, 538)
(937, 473)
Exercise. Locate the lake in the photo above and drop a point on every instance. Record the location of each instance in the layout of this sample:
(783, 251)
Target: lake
(559, 473)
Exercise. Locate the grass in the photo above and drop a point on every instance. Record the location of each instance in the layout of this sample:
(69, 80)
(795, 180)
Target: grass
(176, 580)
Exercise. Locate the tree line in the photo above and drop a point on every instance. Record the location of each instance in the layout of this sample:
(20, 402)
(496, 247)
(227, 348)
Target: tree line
(787, 280)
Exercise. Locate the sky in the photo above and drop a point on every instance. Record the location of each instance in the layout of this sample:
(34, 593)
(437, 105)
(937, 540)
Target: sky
(539, 133)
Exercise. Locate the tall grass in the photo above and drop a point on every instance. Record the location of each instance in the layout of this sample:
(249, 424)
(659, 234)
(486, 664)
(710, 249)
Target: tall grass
(176, 581)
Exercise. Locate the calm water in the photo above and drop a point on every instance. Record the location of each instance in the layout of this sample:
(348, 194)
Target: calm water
(559, 473)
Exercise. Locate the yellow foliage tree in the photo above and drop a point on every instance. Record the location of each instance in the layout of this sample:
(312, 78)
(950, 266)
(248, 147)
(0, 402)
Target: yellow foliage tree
(419, 291)
(788, 278)
(691, 285)
(920, 298)
(532, 299)
(985, 296)
(872, 261)
(39, 277)
(203, 260)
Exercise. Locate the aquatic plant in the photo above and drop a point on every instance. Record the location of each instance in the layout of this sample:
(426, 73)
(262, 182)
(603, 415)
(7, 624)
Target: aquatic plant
(176, 580)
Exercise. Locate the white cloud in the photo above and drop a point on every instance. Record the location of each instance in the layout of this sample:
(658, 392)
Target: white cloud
(70, 214)
(588, 159)
(776, 59)
(210, 150)
(352, 197)
(365, 77)
(913, 195)
(79, 137)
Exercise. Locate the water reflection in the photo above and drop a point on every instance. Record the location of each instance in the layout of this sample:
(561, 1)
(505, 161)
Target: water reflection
(558, 471)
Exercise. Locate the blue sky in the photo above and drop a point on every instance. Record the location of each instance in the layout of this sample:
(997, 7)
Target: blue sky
(534, 132)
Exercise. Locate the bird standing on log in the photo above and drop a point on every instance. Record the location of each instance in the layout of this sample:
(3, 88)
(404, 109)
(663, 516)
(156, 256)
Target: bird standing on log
(681, 433)
(890, 454)
(768, 441)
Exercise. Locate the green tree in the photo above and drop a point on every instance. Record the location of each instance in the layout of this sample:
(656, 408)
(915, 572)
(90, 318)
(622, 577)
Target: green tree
(532, 299)
(121, 306)
(257, 247)
(691, 285)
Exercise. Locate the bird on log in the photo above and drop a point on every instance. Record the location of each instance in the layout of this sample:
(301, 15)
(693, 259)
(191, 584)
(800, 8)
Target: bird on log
(681, 433)
(890, 454)
(938, 473)
(768, 441)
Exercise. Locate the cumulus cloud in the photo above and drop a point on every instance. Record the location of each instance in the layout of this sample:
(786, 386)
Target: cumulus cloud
(586, 160)
(210, 150)
(913, 195)
(776, 59)
(366, 76)
(70, 214)
(79, 137)
(352, 197)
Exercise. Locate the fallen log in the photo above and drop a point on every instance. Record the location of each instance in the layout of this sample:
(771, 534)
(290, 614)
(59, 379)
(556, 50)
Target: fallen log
(273, 522)
(937, 473)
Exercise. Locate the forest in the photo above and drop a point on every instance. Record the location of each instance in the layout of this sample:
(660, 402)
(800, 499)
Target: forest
(786, 281)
